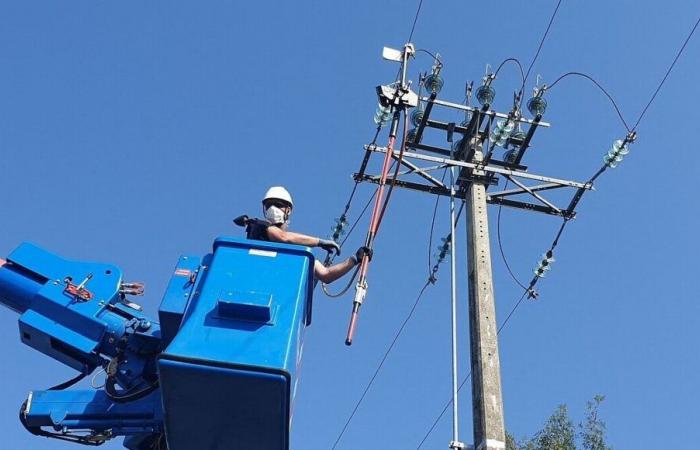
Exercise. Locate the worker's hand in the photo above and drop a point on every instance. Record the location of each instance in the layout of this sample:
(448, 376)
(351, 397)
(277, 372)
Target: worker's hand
(329, 246)
(241, 221)
(361, 253)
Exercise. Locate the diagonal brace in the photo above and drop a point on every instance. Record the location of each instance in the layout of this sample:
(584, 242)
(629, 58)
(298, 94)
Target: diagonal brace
(534, 194)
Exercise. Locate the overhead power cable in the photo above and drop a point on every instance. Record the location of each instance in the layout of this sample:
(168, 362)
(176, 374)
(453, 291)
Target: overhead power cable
(466, 378)
(381, 364)
(415, 21)
(516, 62)
(528, 291)
(431, 280)
(668, 72)
(500, 244)
(539, 47)
(599, 86)
(432, 227)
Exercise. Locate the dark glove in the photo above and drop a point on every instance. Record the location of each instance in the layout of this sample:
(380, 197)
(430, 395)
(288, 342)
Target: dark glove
(361, 253)
(241, 221)
(329, 246)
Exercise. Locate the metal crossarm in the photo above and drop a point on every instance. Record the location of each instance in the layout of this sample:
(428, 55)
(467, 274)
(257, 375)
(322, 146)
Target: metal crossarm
(477, 110)
(461, 194)
(539, 187)
(533, 193)
(486, 168)
(421, 172)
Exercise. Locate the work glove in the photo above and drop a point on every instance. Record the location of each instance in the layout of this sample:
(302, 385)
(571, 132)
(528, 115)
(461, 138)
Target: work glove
(241, 221)
(361, 253)
(329, 246)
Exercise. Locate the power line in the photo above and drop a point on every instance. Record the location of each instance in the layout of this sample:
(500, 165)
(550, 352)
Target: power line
(464, 381)
(500, 244)
(539, 48)
(381, 364)
(364, 210)
(599, 86)
(429, 281)
(415, 20)
(527, 290)
(668, 72)
(432, 227)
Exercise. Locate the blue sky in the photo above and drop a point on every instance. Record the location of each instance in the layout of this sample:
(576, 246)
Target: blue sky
(134, 132)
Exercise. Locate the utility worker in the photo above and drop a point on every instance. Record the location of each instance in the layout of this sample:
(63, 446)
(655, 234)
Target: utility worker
(277, 207)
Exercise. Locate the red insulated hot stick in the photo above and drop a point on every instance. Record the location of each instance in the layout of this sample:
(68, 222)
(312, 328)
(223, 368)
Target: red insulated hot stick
(361, 287)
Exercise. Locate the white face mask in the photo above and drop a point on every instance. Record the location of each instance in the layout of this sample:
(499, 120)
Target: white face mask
(276, 215)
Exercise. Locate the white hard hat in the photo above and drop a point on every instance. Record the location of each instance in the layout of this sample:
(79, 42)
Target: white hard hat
(278, 193)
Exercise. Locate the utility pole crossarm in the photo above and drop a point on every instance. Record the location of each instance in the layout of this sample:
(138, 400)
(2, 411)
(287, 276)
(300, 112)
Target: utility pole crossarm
(473, 109)
(486, 168)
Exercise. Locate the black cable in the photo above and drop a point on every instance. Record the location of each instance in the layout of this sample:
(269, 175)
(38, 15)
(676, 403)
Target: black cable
(555, 242)
(668, 72)
(526, 291)
(415, 20)
(357, 182)
(69, 383)
(362, 213)
(539, 48)
(464, 381)
(429, 281)
(599, 86)
(381, 363)
(514, 60)
(435, 57)
(38, 431)
(432, 227)
(347, 287)
(512, 311)
(128, 395)
(500, 244)
(348, 204)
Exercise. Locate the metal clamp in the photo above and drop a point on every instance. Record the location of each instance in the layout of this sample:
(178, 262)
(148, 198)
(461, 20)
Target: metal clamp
(79, 291)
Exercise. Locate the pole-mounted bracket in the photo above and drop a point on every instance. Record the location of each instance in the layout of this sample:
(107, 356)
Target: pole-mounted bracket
(391, 95)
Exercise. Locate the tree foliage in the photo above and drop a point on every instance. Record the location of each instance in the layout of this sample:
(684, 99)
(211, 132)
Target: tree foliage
(559, 432)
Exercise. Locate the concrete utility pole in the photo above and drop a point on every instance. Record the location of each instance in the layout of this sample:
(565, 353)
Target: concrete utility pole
(422, 156)
(487, 400)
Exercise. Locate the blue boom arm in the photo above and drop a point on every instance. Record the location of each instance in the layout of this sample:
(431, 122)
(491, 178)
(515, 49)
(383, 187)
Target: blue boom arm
(219, 371)
(78, 314)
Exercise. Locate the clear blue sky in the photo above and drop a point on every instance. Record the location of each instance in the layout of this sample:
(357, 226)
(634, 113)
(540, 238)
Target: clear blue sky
(134, 132)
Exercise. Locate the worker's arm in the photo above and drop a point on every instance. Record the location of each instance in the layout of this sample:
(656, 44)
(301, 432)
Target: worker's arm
(332, 273)
(2, 262)
(277, 234)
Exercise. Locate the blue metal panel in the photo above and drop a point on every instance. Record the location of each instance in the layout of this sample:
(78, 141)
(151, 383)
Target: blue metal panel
(18, 287)
(93, 410)
(177, 296)
(253, 306)
(46, 265)
(230, 367)
(230, 408)
(55, 340)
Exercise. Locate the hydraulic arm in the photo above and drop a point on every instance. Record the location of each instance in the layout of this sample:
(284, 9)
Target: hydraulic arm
(218, 371)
